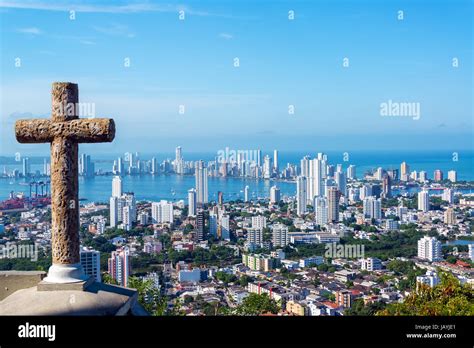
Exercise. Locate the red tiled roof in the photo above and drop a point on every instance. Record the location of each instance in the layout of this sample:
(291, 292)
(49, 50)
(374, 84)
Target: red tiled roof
(330, 304)
(462, 263)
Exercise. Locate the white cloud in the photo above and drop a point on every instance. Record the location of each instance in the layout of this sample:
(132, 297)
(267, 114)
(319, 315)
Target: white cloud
(87, 42)
(31, 31)
(226, 36)
(115, 30)
(133, 7)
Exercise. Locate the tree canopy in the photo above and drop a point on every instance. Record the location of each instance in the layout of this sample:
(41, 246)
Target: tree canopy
(449, 298)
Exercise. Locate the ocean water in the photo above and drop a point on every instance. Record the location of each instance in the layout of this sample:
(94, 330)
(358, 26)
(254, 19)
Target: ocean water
(175, 187)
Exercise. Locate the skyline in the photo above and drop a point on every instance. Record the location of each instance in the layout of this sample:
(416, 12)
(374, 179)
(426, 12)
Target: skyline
(283, 62)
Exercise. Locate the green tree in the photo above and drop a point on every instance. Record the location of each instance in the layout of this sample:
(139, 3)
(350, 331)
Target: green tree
(359, 308)
(255, 304)
(448, 298)
(107, 279)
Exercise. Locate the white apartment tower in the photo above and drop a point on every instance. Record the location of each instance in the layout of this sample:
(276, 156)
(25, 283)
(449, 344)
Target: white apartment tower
(117, 186)
(429, 248)
(90, 262)
(301, 198)
(259, 221)
(333, 204)
(201, 184)
(372, 207)
(321, 210)
(280, 236)
(424, 201)
(162, 212)
(192, 206)
(274, 194)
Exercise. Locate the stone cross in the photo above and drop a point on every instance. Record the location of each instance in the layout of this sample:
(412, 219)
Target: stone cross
(65, 131)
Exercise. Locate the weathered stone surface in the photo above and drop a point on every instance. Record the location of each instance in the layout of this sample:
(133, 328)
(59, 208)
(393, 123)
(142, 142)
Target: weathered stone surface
(95, 130)
(11, 281)
(64, 132)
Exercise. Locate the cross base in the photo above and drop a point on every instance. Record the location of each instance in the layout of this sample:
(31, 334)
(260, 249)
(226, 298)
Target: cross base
(66, 273)
(78, 286)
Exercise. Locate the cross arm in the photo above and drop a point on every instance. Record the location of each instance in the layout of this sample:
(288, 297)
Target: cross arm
(95, 130)
(33, 131)
(92, 130)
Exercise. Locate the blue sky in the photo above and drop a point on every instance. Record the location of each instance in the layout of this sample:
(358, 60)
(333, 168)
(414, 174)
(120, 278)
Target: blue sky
(282, 62)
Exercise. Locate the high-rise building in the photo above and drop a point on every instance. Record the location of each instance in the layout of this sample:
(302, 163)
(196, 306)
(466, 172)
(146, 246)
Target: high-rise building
(213, 223)
(404, 171)
(448, 195)
(116, 186)
(119, 266)
(119, 166)
(127, 218)
(321, 210)
(393, 174)
(246, 193)
(387, 186)
(113, 213)
(304, 164)
(450, 217)
(314, 182)
(90, 262)
(220, 198)
(353, 194)
(267, 168)
(429, 248)
(301, 200)
(154, 166)
(365, 191)
(26, 167)
(379, 173)
(179, 155)
(422, 176)
(128, 199)
(330, 170)
(280, 236)
(200, 225)
(143, 218)
(424, 201)
(162, 212)
(470, 252)
(259, 157)
(333, 204)
(259, 221)
(351, 172)
(86, 166)
(438, 175)
(372, 208)
(178, 163)
(340, 179)
(344, 298)
(225, 227)
(201, 184)
(274, 195)
(452, 176)
(192, 206)
(255, 235)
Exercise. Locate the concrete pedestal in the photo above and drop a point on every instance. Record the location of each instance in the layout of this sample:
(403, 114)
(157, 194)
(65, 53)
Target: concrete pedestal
(96, 299)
